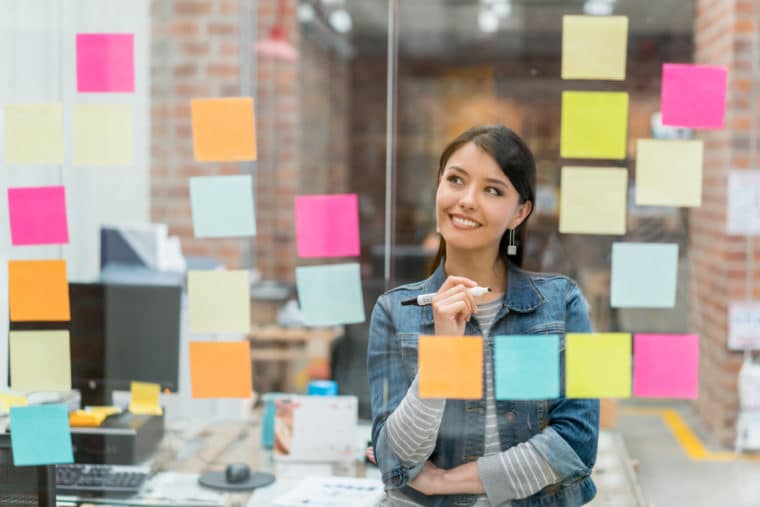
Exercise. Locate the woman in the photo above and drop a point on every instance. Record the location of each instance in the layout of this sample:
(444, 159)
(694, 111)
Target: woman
(443, 452)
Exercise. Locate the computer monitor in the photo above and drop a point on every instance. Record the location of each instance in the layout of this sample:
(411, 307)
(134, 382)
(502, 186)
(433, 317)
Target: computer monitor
(119, 334)
(27, 486)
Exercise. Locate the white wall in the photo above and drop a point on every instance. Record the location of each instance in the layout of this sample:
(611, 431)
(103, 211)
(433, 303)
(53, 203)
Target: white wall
(38, 64)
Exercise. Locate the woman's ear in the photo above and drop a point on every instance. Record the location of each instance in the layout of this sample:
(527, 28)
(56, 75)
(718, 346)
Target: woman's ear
(523, 210)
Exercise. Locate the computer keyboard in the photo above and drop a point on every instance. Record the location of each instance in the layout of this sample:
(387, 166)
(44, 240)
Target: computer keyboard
(116, 479)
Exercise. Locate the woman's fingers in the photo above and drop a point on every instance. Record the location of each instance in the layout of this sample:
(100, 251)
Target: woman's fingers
(457, 293)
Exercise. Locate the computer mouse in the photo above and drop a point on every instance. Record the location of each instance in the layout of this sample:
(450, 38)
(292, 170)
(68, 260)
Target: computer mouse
(236, 473)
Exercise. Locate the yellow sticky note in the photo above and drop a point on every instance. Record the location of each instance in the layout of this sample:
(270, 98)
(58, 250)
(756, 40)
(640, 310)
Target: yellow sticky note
(34, 133)
(11, 400)
(144, 398)
(451, 367)
(103, 135)
(598, 365)
(668, 173)
(104, 410)
(593, 200)
(594, 47)
(40, 361)
(219, 301)
(594, 125)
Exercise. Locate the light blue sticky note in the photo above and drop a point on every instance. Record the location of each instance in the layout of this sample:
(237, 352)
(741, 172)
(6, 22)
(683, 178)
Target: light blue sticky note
(222, 206)
(526, 367)
(40, 435)
(644, 275)
(330, 294)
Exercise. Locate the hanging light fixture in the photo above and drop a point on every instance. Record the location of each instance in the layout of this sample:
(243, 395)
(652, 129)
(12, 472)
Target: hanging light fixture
(276, 46)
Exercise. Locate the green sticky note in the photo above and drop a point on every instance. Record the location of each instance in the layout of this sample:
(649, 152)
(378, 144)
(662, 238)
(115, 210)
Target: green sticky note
(40, 435)
(593, 200)
(526, 367)
(219, 301)
(103, 135)
(40, 361)
(598, 365)
(222, 206)
(668, 173)
(34, 133)
(594, 47)
(594, 125)
(331, 294)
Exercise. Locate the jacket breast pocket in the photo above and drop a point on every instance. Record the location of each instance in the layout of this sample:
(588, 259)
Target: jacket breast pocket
(408, 343)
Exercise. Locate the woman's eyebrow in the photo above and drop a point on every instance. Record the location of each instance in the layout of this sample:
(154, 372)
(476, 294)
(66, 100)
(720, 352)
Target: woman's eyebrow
(490, 180)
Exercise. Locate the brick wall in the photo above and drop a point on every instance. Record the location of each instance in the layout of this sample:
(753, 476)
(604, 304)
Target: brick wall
(725, 34)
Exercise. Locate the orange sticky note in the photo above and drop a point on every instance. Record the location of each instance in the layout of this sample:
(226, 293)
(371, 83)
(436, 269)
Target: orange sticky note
(220, 369)
(223, 129)
(38, 290)
(451, 367)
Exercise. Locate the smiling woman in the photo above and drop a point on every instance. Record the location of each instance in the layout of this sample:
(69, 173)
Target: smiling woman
(451, 451)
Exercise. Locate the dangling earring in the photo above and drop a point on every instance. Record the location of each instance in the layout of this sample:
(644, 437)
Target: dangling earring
(512, 245)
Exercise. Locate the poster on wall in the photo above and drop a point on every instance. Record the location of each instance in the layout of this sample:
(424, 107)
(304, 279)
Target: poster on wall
(743, 202)
(744, 325)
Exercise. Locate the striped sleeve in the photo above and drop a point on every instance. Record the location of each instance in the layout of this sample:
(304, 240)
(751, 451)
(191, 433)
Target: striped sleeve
(518, 472)
(412, 429)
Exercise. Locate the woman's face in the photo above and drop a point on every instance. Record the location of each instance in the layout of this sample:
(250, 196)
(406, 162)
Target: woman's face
(475, 201)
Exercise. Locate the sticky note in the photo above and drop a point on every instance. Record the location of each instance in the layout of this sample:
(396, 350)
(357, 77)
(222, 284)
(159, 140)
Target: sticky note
(11, 400)
(598, 365)
(327, 225)
(593, 200)
(743, 202)
(330, 295)
(40, 361)
(219, 301)
(144, 398)
(665, 366)
(450, 367)
(668, 173)
(105, 62)
(693, 96)
(526, 367)
(223, 129)
(644, 275)
(38, 290)
(40, 435)
(594, 125)
(34, 133)
(103, 135)
(594, 47)
(222, 206)
(744, 325)
(220, 369)
(38, 215)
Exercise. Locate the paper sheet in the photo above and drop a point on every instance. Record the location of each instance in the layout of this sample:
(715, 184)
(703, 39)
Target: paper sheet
(223, 206)
(38, 290)
(598, 365)
(450, 367)
(38, 215)
(103, 135)
(333, 492)
(105, 62)
(34, 133)
(666, 366)
(219, 301)
(331, 294)
(668, 173)
(644, 275)
(594, 125)
(327, 225)
(223, 129)
(743, 202)
(593, 200)
(144, 398)
(693, 96)
(594, 47)
(220, 369)
(40, 361)
(526, 367)
(40, 435)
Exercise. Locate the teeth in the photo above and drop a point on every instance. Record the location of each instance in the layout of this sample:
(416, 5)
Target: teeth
(464, 222)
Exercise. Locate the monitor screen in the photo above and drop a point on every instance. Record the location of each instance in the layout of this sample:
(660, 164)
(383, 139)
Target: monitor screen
(120, 333)
(28, 486)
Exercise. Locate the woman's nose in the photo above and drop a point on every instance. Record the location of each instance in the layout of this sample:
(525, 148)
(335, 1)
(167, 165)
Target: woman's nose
(468, 200)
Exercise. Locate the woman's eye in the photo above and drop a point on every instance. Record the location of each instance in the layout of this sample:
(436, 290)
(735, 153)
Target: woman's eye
(455, 179)
(493, 191)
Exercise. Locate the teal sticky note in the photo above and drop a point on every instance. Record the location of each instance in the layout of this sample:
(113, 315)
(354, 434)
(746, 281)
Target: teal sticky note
(644, 275)
(330, 295)
(222, 206)
(526, 367)
(40, 435)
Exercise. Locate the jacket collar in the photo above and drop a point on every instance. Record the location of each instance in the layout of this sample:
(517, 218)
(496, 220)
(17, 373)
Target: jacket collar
(521, 295)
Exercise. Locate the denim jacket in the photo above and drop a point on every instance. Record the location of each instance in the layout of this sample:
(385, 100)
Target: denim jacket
(564, 431)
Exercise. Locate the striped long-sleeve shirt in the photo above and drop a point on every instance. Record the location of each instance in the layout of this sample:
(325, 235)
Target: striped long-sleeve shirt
(412, 430)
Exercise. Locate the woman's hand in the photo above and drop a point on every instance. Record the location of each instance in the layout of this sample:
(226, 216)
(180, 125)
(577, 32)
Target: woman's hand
(453, 305)
(430, 480)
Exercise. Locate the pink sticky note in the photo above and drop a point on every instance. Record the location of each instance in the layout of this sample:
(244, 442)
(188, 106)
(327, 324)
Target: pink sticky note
(105, 62)
(38, 215)
(693, 96)
(327, 225)
(665, 365)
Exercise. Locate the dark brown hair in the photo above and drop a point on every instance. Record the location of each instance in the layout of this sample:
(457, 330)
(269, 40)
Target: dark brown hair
(516, 161)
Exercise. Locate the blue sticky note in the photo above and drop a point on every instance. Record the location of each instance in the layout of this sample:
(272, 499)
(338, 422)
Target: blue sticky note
(222, 206)
(40, 435)
(330, 295)
(644, 275)
(526, 367)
